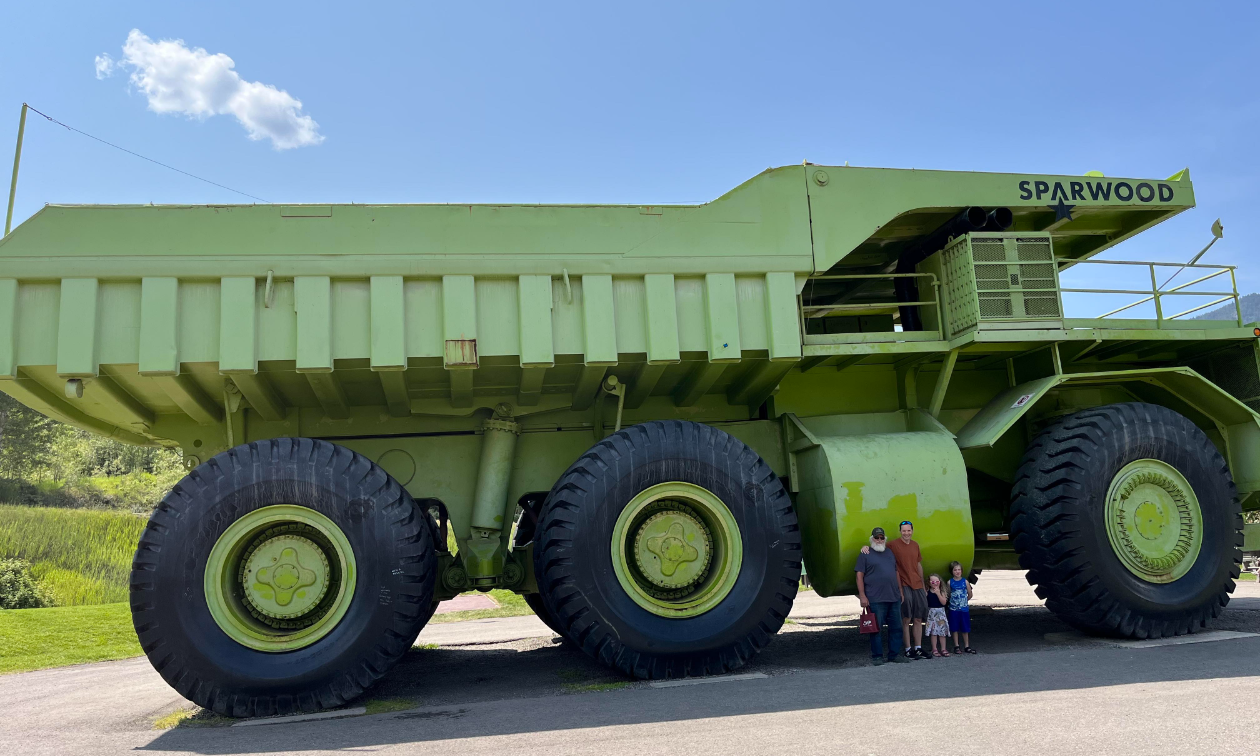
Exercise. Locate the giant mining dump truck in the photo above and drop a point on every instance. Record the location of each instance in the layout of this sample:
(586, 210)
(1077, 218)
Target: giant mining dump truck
(644, 419)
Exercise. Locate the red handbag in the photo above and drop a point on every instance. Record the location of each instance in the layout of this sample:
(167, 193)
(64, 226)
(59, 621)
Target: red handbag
(867, 624)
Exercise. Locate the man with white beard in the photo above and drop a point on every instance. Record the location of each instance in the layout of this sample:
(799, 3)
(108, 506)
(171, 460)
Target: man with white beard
(879, 589)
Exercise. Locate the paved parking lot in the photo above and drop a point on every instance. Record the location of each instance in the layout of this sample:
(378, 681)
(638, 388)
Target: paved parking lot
(503, 684)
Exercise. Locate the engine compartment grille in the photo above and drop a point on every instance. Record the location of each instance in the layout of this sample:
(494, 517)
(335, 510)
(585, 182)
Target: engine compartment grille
(1006, 278)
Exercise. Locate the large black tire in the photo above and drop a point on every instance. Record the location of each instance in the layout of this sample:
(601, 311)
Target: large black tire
(525, 531)
(573, 562)
(393, 547)
(1057, 509)
(535, 602)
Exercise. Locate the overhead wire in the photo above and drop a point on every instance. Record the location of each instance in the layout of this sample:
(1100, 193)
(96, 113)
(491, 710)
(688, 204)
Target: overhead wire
(142, 157)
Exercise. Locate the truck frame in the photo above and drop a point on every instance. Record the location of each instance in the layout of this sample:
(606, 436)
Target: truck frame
(642, 418)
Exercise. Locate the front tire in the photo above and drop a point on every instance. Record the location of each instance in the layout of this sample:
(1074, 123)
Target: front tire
(1128, 522)
(669, 549)
(281, 576)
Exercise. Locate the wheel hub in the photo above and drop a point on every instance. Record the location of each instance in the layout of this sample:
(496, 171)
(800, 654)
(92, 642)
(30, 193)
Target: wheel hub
(1153, 520)
(676, 549)
(280, 578)
(673, 548)
(284, 576)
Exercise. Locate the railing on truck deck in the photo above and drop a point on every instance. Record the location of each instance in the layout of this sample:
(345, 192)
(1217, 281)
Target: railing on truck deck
(856, 302)
(1156, 292)
(820, 311)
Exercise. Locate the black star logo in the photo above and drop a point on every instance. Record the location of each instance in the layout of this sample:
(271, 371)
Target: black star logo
(1062, 211)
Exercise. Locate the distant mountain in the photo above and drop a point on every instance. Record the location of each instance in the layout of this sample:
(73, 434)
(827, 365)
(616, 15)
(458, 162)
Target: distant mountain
(1250, 304)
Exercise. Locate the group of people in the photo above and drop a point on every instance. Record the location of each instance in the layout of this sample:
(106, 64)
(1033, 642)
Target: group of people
(890, 584)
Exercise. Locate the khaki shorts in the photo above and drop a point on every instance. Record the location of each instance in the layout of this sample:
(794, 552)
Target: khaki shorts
(914, 605)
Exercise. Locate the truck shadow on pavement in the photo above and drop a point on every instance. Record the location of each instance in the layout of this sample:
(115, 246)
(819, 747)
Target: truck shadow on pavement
(462, 692)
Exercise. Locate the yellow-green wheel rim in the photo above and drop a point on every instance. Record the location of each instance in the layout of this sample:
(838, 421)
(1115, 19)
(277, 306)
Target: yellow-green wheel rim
(677, 550)
(280, 578)
(1153, 520)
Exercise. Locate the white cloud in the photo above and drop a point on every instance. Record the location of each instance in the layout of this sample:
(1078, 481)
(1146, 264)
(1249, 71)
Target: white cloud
(104, 66)
(179, 79)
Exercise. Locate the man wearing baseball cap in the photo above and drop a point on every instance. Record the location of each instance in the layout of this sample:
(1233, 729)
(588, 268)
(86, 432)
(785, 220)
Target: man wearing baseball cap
(914, 596)
(879, 589)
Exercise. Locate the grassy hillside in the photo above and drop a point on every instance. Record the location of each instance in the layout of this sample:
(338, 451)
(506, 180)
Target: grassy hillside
(79, 556)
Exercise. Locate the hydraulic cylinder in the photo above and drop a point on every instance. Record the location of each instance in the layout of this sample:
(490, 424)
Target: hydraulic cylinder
(483, 554)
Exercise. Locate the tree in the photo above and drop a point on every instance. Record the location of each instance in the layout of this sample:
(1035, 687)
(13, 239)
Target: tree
(26, 440)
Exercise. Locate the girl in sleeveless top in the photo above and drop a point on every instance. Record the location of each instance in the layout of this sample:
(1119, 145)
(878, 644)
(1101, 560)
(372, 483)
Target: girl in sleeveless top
(937, 623)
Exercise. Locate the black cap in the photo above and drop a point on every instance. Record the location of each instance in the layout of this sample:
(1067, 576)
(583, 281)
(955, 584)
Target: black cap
(877, 532)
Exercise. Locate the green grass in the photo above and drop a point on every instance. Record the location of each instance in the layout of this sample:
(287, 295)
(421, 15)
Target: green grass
(1247, 577)
(174, 719)
(194, 717)
(510, 605)
(40, 638)
(383, 705)
(138, 491)
(595, 687)
(578, 680)
(80, 556)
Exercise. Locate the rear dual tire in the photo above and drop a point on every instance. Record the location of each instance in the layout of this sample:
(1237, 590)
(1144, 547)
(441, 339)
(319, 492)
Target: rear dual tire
(669, 549)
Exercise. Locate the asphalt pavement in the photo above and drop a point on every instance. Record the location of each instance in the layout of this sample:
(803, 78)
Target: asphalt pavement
(1036, 686)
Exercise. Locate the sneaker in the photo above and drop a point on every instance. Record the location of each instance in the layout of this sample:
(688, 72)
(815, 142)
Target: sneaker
(879, 661)
(900, 660)
(923, 653)
(909, 653)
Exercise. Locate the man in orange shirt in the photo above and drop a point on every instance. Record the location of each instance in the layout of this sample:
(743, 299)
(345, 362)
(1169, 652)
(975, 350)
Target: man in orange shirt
(910, 574)
(914, 597)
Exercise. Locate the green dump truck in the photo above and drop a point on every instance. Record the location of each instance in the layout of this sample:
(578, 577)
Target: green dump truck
(644, 419)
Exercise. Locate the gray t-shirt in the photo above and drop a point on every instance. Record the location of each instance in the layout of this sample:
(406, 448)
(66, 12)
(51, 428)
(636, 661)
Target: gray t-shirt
(879, 573)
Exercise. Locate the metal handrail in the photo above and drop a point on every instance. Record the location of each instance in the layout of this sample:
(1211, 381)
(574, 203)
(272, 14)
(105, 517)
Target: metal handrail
(1144, 291)
(848, 276)
(820, 310)
(1068, 261)
(1155, 294)
(867, 306)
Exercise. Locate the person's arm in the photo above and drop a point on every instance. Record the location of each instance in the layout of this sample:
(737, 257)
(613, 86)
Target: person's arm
(970, 593)
(866, 549)
(862, 591)
(922, 580)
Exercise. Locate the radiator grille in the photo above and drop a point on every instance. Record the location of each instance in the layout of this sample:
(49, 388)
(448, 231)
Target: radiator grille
(999, 277)
(1235, 371)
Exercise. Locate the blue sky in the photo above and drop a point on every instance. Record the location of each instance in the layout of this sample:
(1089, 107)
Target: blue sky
(648, 103)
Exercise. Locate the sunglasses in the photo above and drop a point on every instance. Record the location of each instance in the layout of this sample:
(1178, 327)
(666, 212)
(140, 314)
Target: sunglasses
(906, 522)
(878, 538)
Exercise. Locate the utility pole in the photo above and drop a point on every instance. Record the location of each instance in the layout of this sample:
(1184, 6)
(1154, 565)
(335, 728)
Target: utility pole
(17, 158)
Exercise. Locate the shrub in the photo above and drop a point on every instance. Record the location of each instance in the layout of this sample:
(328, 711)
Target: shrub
(18, 589)
(20, 492)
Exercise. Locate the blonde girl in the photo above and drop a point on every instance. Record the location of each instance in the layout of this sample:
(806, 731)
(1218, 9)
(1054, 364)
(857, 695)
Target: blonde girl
(937, 622)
